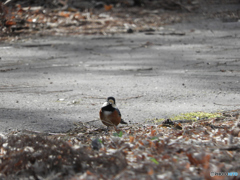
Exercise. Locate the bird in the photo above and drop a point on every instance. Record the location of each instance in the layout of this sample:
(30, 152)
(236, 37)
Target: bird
(110, 114)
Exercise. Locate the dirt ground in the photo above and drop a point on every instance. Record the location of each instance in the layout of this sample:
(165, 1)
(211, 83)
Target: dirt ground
(53, 83)
(50, 82)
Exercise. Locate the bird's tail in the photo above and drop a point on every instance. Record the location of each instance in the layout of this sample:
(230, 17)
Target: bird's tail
(123, 122)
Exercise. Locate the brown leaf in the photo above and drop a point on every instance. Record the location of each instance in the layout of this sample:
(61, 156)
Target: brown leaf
(140, 142)
(64, 14)
(187, 166)
(131, 139)
(150, 172)
(204, 161)
(108, 7)
(192, 160)
(78, 16)
(153, 132)
(178, 125)
(29, 20)
(18, 163)
(151, 144)
(10, 23)
(89, 173)
(166, 156)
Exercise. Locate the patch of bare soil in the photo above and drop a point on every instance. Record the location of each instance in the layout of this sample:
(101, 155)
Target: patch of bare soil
(167, 150)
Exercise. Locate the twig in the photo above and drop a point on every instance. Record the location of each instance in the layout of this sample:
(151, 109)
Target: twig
(6, 2)
(133, 97)
(231, 148)
(226, 104)
(92, 121)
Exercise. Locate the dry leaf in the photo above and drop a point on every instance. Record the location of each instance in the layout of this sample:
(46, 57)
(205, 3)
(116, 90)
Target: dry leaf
(64, 14)
(178, 125)
(187, 166)
(131, 139)
(153, 132)
(89, 173)
(192, 160)
(108, 7)
(29, 20)
(150, 172)
(140, 142)
(166, 156)
(10, 23)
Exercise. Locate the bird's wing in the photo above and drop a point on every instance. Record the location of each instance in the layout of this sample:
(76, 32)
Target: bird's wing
(118, 112)
(122, 121)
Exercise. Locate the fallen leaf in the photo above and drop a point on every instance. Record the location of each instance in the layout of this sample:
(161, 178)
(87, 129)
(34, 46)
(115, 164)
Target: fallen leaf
(166, 156)
(131, 139)
(64, 14)
(10, 23)
(89, 172)
(150, 172)
(178, 126)
(154, 160)
(108, 7)
(191, 159)
(140, 142)
(187, 166)
(153, 132)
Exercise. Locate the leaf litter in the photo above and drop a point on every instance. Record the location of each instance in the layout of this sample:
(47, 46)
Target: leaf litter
(85, 17)
(136, 151)
(170, 149)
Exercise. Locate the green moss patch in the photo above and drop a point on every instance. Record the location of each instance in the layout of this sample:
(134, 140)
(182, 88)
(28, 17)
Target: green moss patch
(195, 116)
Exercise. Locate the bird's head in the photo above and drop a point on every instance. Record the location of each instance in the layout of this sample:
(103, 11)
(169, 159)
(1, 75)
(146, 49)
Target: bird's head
(111, 100)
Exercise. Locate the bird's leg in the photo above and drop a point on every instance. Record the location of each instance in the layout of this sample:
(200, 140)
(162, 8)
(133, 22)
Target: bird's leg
(116, 128)
(107, 129)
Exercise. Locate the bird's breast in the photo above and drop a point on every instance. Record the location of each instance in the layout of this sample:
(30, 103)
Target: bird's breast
(106, 113)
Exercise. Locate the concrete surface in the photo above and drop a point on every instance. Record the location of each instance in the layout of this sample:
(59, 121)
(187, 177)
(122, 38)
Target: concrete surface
(48, 83)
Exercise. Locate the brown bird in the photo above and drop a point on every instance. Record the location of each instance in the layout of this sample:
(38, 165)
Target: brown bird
(110, 114)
